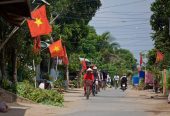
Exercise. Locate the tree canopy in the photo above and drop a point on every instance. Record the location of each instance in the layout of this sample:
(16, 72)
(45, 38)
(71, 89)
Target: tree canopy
(160, 24)
(80, 39)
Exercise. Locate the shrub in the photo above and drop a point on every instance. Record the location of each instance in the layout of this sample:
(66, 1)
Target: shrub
(59, 83)
(141, 84)
(49, 97)
(75, 82)
(168, 83)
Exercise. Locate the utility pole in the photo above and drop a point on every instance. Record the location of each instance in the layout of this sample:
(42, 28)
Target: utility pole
(164, 82)
(67, 76)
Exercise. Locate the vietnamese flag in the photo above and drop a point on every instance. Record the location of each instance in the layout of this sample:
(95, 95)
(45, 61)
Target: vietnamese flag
(37, 44)
(65, 57)
(39, 24)
(84, 67)
(56, 49)
(159, 56)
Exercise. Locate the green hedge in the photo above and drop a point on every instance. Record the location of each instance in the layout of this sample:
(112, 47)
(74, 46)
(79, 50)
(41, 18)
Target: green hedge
(48, 97)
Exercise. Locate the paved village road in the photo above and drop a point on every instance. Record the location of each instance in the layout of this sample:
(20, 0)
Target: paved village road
(111, 102)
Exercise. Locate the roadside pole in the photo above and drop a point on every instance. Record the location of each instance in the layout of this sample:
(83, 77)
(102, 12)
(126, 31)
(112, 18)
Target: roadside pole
(164, 82)
(35, 81)
(67, 76)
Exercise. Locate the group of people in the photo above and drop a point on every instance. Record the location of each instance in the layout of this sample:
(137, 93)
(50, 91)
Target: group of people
(122, 80)
(102, 78)
(96, 77)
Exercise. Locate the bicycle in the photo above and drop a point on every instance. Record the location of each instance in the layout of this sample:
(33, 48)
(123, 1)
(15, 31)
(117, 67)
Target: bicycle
(88, 84)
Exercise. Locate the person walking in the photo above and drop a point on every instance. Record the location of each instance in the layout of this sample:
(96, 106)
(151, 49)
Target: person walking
(116, 81)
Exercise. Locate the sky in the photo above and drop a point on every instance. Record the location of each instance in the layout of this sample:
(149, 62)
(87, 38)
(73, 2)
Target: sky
(128, 21)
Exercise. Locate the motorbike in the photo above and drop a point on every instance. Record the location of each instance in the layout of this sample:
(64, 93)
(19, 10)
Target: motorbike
(123, 87)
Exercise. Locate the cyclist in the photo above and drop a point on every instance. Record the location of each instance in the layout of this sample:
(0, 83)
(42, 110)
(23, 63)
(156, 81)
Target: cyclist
(88, 77)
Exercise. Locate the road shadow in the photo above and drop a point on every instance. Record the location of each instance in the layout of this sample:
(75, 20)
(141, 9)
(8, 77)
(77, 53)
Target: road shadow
(73, 92)
(157, 97)
(74, 96)
(157, 112)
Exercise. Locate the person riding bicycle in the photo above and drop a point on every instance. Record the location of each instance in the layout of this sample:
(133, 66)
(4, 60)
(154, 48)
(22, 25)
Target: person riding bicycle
(124, 81)
(95, 72)
(88, 76)
(96, 78)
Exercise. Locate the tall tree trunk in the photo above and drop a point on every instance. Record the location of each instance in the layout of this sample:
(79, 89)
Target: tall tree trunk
(3, 64)
(14, 65)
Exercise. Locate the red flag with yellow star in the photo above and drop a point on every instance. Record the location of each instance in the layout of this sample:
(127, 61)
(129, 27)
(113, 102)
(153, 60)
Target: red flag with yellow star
(39, 24)
(159, 56)
(56, 49)
(65, 57)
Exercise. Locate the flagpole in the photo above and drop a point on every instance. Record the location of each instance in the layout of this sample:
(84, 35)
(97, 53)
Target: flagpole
(35, 83)
(54, 19)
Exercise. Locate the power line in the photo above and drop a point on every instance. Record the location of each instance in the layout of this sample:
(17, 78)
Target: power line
(124, 18)
(111, 12)
(120, 25)
(135, 38)
(144, 45)
(132, 33)
(123, 4)
(128, 27)
(120, 21)
(86, 1)
(81, 18)
(123, 12)
(129, 3)
(139, 50)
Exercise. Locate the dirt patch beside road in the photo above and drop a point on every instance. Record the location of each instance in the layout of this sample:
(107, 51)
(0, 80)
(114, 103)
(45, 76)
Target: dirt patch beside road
(157, 103)
(29, 109)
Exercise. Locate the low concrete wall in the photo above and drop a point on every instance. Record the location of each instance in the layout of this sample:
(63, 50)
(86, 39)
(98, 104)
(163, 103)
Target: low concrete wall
(10, 97)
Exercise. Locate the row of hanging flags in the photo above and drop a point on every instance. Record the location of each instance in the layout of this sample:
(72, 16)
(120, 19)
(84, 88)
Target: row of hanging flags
(159, 57)
(39, 25)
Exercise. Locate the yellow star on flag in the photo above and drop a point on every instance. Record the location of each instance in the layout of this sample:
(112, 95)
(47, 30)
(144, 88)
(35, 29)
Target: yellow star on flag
(56, 48)
(38, 22)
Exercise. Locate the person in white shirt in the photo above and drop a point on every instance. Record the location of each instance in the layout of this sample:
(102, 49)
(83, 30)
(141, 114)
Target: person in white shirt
(108, 79)
(116, 80)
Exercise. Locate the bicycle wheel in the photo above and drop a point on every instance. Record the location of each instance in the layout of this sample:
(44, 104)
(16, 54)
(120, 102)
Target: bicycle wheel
(93, 90)
(87, 92)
